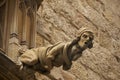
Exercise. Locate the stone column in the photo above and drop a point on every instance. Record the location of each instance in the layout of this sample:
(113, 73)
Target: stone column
(24, 41)
(3, 23)
(2, 20)
(13, 46)
(32, 15)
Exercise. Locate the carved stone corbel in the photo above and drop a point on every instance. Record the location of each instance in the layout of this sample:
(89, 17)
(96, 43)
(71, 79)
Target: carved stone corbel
(22, 5)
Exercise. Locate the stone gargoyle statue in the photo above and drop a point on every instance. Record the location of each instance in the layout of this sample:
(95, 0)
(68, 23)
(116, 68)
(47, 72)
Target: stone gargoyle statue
(43, 59)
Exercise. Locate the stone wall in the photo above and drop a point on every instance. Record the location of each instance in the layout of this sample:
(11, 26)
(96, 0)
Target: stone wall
(59, 20)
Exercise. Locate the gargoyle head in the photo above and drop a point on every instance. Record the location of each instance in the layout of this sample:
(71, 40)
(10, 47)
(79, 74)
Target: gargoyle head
(85, 36)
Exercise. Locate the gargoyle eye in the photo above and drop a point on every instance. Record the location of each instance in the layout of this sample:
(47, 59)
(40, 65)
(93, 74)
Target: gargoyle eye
(85, 36)
(91, 38)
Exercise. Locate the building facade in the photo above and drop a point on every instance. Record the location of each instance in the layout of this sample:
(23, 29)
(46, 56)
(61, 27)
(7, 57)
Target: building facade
(17, 27)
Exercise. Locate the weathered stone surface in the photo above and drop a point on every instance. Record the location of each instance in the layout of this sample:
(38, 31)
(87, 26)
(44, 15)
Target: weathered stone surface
(59, 20)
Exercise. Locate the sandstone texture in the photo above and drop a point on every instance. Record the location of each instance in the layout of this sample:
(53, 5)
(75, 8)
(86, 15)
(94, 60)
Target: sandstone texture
(59, 20)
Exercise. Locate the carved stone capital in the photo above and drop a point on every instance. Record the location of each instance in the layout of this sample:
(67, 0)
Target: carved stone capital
(13, 35)
(23, 43)
(22, 5)
(30, 12)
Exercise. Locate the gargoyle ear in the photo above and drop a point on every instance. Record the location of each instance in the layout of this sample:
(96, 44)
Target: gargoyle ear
(90, 45)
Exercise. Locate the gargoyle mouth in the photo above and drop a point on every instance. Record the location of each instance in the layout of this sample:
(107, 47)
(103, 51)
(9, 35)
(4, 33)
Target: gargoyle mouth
(86, 42)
